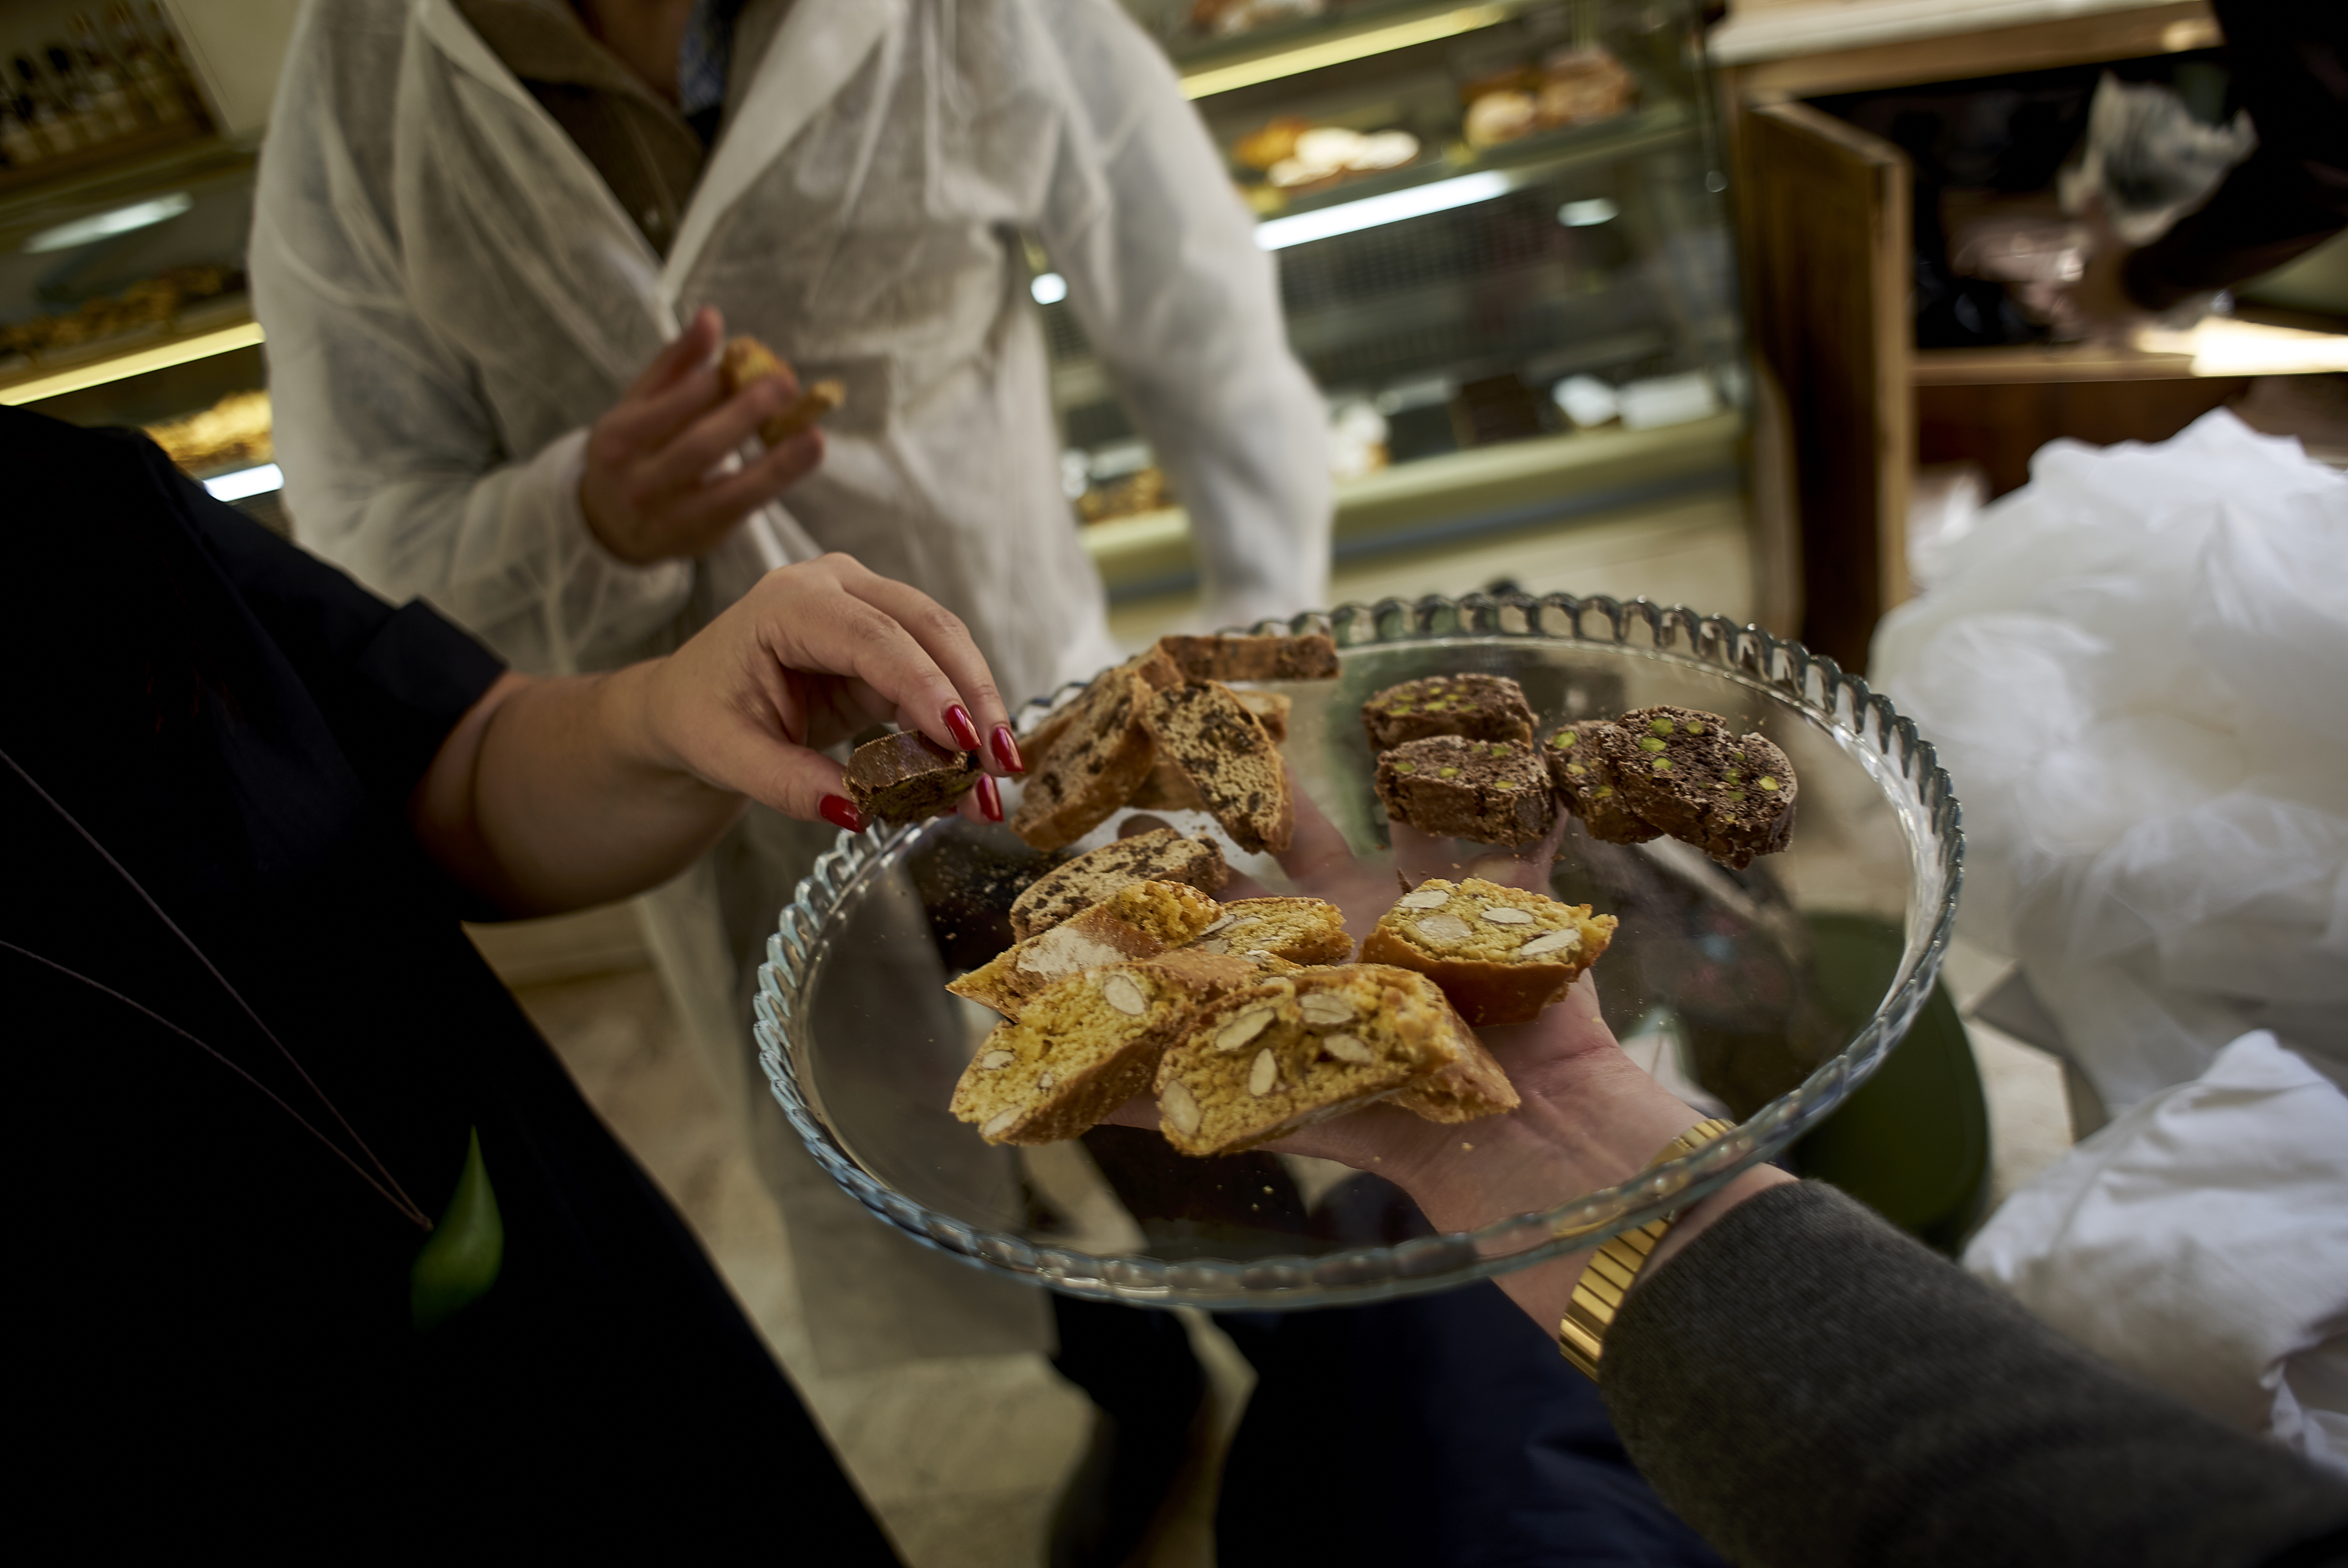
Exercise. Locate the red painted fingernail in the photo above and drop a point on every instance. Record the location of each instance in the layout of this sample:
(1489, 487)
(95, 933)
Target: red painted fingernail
(1006, 750)
(965, 734)
(990, 799)
(840, 812)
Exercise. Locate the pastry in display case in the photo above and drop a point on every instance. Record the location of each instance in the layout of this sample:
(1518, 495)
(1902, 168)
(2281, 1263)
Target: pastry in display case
(1492, 225)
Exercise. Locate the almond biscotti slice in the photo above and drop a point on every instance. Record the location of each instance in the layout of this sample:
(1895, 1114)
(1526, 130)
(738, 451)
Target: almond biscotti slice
(1160, 854)
(1167, 790)
(1239, 656)
(1501, 954)
(1102, 754)
(1138, 921)
(1081, 1049)
(1280, 930)
(1220, 750)
(1301, 1047)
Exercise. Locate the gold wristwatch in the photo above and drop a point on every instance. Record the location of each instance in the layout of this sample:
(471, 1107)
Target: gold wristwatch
(1599, 1294)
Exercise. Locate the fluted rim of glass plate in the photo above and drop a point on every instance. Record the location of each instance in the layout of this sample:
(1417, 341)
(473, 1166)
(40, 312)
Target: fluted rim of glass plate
(1813, 683)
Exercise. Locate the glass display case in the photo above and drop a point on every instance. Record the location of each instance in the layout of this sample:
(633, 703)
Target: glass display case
(1495, 225)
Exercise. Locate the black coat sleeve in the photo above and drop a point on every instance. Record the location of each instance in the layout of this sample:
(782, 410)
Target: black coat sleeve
(1808, 1387)
(2291, 71)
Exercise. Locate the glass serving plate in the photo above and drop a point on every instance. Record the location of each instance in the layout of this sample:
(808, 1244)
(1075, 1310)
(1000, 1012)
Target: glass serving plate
(1713, 977)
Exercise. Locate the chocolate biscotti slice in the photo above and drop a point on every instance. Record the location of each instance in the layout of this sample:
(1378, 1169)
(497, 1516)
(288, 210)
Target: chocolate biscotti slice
(1156, 670)
(1161, 855)
(1493, 792)
(1238, 656)
(1479, 707)
(1500, 954)
(1202, 730)
(1104, 751)
(1081, 1049)
(1166, 789)
(1300, 1048)
(1276, 932)
(1585, 779)
(906, 777)
(1140, 920)
(1730, 795)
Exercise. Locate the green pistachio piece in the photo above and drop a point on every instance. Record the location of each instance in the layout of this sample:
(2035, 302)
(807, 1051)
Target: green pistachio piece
(1447, 773)
(1649, 743)
(1660, 726)
(1576, 769)
(1602, 791)
(1564, 740)
(1765, 782)
(1662, 765)
(1736, 794)
(1406, 767)
(1693, 729)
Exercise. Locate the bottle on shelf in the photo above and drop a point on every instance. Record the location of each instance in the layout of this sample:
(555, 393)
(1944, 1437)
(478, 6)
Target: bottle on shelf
(150, 77)
(115, 107)
(41, 110)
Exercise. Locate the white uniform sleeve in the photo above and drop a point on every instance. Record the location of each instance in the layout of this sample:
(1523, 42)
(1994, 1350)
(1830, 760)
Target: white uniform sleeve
(1184, 311)
(394, 468)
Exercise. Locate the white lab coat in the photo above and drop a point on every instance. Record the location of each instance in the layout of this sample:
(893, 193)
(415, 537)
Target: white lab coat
(452, 295)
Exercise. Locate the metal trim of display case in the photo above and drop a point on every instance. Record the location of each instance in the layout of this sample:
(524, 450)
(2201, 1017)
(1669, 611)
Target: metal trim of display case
(1815, 685)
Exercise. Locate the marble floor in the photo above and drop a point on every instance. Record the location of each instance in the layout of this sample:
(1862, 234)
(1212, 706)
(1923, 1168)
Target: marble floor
(961, 1457)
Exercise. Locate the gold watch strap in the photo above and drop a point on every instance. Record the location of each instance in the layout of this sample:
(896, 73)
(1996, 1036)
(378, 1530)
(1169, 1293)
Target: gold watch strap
(1599, 1294)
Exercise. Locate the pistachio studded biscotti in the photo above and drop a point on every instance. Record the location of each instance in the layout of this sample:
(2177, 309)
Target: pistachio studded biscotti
(1160, 854)
(1274, 932)
(1239, 656)
(1580, 767)
(1166, 789)
(1298, 1048)
(1201, 729)
(1140, 920)
(1493, 792)
(1081, 1049)
(1730, 795)
(1501, 954)
(1479, 707)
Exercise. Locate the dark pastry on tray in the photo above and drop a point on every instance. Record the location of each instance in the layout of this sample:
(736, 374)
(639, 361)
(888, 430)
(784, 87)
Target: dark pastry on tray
(1682, 770)
(1160, 854)
(906, 777)
(1481, 707)
(1095, 760)
(1493, 792)
(1168, 789)
(1501, 954)
(1208, 736)
(1253, 656)
(1140, 920)
(1301, 1047)
(1585, 780)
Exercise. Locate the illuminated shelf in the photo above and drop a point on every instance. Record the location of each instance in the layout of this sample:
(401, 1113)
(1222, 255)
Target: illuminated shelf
(2219, 346)
(119, 361)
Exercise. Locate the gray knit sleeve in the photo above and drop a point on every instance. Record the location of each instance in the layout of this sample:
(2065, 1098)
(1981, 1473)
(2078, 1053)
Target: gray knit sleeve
(1808, 1386)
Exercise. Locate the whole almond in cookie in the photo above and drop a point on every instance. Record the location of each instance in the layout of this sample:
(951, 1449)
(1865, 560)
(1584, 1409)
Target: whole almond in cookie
(1502, 955)
(1479, 707)
(1140, 920)
(1585, 780)
(1080, 1048)
(1273, 932)
(1682, 770)
(1493, 792)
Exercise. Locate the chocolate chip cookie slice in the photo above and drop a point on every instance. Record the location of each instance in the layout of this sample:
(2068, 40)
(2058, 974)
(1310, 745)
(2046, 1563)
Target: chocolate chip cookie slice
(907, 777)
(1493, 792)
(1585, 780)
(1206, 733)
(1101, 754)
(1166, 789)
(1501, 954)
(1160, 854)
(1252, 657)
(1730, 795)
(1481, 707)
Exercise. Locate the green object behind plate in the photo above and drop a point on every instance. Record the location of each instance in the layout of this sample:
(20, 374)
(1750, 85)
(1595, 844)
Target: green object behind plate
(1912, 1142)
(459, 1261)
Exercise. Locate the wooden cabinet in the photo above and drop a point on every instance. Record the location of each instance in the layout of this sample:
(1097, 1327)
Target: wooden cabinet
(1825, 214)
